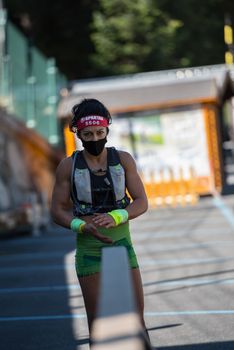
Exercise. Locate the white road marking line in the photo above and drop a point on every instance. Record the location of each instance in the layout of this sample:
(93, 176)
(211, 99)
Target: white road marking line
(224, 209)
(147, 314)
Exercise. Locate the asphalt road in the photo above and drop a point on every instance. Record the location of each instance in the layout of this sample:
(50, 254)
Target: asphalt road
(187, 264)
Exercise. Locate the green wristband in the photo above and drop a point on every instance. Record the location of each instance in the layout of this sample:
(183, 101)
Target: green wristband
(77, 225)
(119, 215)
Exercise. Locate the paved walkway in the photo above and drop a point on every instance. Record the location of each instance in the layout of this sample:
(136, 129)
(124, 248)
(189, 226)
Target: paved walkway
(187, 263)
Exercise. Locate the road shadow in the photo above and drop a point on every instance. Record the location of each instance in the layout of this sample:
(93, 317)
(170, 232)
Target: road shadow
(36, 302)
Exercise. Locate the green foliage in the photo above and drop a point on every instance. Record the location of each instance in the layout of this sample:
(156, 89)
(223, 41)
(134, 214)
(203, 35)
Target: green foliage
(132, 36)
(92, 38)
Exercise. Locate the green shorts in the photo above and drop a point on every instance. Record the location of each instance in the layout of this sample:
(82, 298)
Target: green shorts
(89, 249)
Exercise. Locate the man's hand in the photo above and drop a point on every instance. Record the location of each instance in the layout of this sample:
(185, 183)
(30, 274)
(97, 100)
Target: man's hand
(104, 220)
(92, 230)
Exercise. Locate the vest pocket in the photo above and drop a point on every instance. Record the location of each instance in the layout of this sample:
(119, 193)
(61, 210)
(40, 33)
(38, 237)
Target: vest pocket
(118, 178)
(83, 185)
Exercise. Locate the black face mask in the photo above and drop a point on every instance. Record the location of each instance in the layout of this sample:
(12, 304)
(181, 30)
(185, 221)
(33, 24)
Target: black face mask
(94, 147)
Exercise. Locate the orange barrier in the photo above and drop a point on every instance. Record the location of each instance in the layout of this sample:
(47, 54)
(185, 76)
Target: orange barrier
(164, 188)
(69, 139)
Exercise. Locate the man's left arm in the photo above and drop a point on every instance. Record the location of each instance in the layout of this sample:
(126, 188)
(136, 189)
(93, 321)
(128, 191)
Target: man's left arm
(134, 186)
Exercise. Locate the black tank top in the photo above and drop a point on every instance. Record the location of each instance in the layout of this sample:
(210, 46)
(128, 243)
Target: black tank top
(103, 198)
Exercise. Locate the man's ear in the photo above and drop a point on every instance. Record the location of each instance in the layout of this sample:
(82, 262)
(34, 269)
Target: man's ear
(107, 131)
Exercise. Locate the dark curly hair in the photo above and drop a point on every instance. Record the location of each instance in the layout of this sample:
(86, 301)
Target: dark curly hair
(88, 106)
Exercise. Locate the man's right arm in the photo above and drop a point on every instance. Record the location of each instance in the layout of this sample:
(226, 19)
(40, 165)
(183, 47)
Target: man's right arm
(61, 206)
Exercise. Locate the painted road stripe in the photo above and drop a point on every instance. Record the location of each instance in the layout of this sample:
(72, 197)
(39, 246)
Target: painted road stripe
(34, 268)
(186, 227)
(32, 256)
(40, 289)
(65, 235)
(224, 209)
(181, 262)
(172, 221)
(143, 236)
(147, 314)
(189, 313)
(37, 255)
(42, 318)
(154, 247)
(139, 234)
(143, 262)
(188, 282)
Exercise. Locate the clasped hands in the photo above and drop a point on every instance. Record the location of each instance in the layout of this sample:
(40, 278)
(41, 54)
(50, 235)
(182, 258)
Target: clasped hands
(102, 220)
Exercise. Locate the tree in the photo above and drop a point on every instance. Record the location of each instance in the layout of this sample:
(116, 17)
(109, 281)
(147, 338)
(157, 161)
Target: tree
(132, 36)
(92, 38)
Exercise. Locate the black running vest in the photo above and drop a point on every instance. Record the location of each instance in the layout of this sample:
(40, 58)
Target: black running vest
(97, 194)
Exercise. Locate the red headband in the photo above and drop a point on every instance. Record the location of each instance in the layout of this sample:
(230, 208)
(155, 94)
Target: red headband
(92, 120)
